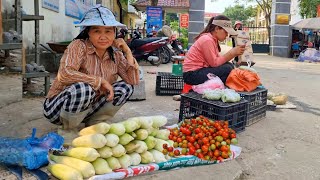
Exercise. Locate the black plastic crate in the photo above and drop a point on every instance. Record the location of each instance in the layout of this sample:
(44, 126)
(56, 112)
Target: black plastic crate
(192, 104)
(257, 100)
(168, 84)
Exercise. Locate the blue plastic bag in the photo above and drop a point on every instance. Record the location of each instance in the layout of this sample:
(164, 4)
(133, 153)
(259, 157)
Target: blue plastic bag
(31, 153)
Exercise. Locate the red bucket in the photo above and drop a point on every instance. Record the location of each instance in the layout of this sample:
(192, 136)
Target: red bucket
(186, 88)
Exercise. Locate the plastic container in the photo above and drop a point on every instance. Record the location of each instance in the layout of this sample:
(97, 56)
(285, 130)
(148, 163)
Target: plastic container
(177, 65)
(177, 69)
(192, 105)
(168, 84)
(257, 100)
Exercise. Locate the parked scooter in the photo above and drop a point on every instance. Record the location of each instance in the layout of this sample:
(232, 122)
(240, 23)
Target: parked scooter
(149, 49)
(176, 46)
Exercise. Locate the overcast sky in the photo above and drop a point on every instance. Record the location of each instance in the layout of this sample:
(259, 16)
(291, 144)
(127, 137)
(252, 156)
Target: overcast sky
(218, 6)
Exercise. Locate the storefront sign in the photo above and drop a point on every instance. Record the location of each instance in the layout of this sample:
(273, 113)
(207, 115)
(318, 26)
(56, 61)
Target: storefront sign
(154, 18)
(51, 5)
(184, 20)
(282, 18)
(76, 8)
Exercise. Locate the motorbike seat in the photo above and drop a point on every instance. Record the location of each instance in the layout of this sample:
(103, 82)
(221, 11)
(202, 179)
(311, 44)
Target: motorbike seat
(140, 42)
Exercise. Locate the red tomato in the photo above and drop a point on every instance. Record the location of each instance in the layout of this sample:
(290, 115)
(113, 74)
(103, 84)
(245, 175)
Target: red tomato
(201, 135)
(224, 148)
(219, 158)
(198, 130)
(225, 135)
(233, 135)
(205, 140)
(216, 153)
(205, 148)
(176, 133)
(192, 150)
(197, 146)
(228, 141)
(210, 153)
(192, 139)
(165, 146)
(174, 138)
(224, 155)
(200, 155)
(176, 152)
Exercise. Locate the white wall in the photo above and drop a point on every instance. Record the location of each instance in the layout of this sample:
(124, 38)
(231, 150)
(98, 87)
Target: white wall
(55, 27)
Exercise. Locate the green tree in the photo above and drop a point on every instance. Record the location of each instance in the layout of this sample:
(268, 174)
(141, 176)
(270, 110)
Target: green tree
(171, 17)
(265, 6)
(308, 8)
(183, 33)
(153, 2)
(239, 12)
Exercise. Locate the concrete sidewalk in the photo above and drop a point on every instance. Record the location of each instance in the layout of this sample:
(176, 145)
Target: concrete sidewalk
(284, 145)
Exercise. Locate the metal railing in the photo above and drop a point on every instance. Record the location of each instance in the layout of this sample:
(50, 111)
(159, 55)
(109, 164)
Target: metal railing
(258, 35)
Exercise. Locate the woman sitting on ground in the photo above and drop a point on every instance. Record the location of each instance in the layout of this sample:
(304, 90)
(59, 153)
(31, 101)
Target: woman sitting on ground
(86, 87)
(203, 56)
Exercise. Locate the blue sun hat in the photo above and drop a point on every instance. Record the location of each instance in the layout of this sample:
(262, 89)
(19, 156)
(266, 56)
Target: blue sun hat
(98, 15)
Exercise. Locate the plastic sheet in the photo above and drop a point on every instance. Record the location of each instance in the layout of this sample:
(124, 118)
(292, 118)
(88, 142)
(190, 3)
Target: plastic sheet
(180, 162)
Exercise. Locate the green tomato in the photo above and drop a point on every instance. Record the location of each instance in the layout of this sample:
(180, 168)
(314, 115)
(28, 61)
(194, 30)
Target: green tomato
(219, 138)
(212, 147)
(234, 141)
(175, 144)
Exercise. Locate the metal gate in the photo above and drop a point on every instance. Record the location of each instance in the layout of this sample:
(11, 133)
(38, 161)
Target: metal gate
(259, 38)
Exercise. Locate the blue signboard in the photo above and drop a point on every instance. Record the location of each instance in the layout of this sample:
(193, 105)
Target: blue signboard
(154, 18)
(51, 4)
(77, 8)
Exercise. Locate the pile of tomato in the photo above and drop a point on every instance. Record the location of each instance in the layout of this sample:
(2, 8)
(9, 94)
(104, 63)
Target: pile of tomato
(202, 137)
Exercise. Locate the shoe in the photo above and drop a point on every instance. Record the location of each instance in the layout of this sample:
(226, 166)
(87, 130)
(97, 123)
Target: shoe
(105, 113)
(71, 122)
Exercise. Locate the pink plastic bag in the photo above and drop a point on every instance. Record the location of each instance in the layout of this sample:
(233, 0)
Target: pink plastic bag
(214, 82)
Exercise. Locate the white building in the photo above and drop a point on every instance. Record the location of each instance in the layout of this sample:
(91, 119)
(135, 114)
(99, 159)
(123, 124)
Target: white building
(295, 12)
(56, 26)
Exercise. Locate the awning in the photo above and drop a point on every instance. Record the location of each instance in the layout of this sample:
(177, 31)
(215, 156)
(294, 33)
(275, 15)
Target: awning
(310, 23)
(174, 6)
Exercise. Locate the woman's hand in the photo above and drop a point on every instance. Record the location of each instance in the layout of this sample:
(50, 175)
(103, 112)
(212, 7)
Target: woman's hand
(121, 44)
(237, 51)
(106, 88)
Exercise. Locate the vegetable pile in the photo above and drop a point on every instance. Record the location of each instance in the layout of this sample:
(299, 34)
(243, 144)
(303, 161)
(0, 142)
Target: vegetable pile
(201, 137)
(102, 148)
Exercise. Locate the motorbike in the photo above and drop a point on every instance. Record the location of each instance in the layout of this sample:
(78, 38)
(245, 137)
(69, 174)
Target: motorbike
(150, 49)
(176, 46)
